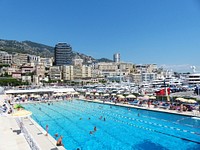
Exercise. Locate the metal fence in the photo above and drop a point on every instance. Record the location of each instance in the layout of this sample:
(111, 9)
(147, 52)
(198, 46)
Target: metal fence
(33, 145)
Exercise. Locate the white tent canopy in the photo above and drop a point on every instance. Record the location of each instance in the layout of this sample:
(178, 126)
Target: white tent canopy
(131, 96)
(41, 90)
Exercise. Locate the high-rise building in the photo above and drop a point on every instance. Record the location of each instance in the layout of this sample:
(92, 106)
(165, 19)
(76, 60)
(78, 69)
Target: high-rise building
(116, 57)
(63, 54)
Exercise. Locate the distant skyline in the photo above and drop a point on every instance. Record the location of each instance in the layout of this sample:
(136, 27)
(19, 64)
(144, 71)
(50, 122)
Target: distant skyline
(162, 32)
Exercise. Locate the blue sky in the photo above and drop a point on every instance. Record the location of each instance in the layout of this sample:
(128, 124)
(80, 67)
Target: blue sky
(164, 32)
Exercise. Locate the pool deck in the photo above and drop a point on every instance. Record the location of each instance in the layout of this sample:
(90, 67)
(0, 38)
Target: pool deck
(151, 108)
(11, 139)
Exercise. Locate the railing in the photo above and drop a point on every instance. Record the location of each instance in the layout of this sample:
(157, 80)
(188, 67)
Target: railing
(33, 145)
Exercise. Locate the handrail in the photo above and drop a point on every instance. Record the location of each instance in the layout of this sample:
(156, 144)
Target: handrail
(32, 143)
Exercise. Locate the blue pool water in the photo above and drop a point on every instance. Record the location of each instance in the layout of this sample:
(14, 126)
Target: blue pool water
(122, 129)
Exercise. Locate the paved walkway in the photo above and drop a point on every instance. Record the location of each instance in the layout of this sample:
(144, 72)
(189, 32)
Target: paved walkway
(11, 137)
(38, 133)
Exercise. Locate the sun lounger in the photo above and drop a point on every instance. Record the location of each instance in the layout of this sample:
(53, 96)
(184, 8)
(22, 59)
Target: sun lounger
(165, 106)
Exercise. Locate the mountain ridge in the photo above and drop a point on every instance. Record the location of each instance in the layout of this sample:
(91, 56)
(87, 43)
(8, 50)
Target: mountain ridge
(34, 48)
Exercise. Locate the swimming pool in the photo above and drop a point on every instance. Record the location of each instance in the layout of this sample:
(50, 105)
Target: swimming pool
(122, 128)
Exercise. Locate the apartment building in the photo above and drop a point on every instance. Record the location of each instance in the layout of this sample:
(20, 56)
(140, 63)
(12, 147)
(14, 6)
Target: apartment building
(47, 62)
(62, 54)
(20, 59)
(6, 59)
(68, 72)
(40, 70)
(76, 72)
(55, 73)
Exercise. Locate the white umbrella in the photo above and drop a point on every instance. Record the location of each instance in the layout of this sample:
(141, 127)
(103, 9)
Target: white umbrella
(45, 95)
(22, 113)
(146, 97)
(36, 96)
(76, 93)
(106, 94)
(191, 101)
(120, 96)
(59, 94)
(97, 94)
(113, 94)
(131, 96)
(181, 99)
(152, 97)
(87, 93)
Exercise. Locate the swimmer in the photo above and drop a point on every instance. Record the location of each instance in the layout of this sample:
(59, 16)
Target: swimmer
(91, 132)
(88, 118)
(138, 115)
(56, 135)
(95, 128)
(40, 109)
(104, 119)
(80, 119)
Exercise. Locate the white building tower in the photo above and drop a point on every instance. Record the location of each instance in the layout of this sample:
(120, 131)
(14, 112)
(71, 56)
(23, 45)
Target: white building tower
(116, 57)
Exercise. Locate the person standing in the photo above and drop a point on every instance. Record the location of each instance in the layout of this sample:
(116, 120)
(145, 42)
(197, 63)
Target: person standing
(47, 130)
(59, 142)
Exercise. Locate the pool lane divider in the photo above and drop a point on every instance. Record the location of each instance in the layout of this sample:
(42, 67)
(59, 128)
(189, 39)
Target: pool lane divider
(162, 126)
(80, 109)
(139, 108)
(159, 119)
(60, 127)
(158, 124)
(173, 128)
(118, 139)
(156, 130)
(72, 122)
(141, 127)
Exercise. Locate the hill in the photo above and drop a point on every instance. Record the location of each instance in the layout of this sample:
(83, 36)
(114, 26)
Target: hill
(27, 47)
(33, 48)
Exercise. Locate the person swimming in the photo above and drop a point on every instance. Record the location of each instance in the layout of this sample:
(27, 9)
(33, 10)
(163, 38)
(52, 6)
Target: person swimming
(56, 135)
(95, 128)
